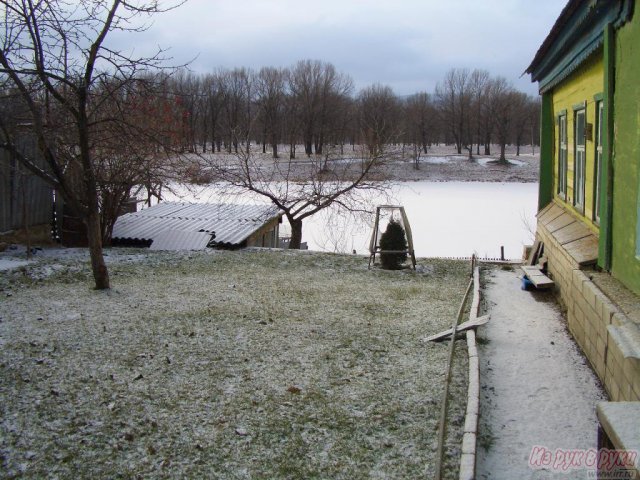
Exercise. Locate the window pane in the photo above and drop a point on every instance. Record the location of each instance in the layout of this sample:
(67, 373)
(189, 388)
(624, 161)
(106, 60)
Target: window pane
(580, 128)
(562, 156)
(598, 182)
(579, 167)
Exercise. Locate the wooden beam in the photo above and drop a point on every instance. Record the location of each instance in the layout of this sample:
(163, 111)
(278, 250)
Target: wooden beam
(461, 328)
(539, 279)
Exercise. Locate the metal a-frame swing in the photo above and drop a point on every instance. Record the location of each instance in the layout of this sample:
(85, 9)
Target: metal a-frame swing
(374, 245)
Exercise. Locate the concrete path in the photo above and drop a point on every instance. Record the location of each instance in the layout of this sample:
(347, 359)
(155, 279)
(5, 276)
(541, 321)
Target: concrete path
(537, 388)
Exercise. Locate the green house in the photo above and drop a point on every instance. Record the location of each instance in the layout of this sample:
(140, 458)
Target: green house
(588, 71)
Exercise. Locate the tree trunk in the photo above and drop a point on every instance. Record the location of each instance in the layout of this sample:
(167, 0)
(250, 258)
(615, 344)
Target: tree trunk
(205, 129)
(264, 140)
(502, 148)
(274, 148)
(214, 141)
(92, 219)
(296, 234)
(94, 237)
(25, 212)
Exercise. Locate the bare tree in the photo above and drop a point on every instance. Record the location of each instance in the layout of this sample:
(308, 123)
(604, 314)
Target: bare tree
(128, 160)
(271, 97)
(237, 89)
(187, 91)
(535, 106)
(315, 88)
(478, 106)
(421, 119)
(525, 114)
(503, 99)
(302, 189)
(55, 56)
(214, 105)
(454, 98)
(379, 110)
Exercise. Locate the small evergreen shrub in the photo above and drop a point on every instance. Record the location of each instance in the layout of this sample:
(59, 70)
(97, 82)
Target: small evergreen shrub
(393, 238)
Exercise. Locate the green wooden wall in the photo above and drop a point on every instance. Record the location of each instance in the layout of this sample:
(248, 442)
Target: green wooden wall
(625, 261)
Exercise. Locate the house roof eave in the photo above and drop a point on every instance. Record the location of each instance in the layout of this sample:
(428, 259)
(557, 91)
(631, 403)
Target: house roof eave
(576, 34)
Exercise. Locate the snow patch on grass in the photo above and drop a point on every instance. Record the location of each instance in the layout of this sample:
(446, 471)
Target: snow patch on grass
(252, 364)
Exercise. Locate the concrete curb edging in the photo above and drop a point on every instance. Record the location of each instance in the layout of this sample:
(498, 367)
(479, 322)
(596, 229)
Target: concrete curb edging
(469, 439)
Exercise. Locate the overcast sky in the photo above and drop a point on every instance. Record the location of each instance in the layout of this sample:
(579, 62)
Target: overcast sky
(406, 44)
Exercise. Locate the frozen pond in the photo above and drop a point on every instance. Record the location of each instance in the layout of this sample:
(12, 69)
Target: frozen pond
(448, 219)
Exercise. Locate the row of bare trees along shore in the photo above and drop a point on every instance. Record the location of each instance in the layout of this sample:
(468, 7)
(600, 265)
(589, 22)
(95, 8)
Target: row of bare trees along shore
(314, 105)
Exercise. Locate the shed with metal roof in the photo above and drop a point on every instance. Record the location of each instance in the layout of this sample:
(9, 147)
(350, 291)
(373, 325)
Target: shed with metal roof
(195, 226)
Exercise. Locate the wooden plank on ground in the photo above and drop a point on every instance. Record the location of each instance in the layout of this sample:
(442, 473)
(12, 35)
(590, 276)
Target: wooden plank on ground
(539, 279)
(461, 328)
(533, 254)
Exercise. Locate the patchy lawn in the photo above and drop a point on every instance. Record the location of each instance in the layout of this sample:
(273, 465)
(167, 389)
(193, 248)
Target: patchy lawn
(252, 364)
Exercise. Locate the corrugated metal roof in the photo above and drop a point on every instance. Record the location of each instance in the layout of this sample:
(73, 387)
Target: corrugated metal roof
(226, 224)
(180, 240)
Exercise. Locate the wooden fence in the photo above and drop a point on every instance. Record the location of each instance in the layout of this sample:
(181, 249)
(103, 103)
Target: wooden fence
(25, 199)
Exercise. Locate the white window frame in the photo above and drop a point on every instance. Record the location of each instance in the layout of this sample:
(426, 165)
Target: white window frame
(579, 158)
(597, 193)
(562, 156)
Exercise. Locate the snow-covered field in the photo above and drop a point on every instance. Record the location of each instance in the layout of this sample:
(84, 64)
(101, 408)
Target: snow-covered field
(251, 364)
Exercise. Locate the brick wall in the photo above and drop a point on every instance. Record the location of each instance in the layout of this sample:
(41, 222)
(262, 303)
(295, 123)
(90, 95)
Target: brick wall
(605, 335)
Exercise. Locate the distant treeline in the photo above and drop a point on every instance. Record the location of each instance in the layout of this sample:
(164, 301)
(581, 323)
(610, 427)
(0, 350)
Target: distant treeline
(313, 104)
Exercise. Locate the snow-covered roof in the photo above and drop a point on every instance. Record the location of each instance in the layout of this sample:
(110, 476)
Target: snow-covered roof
(192, 226)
